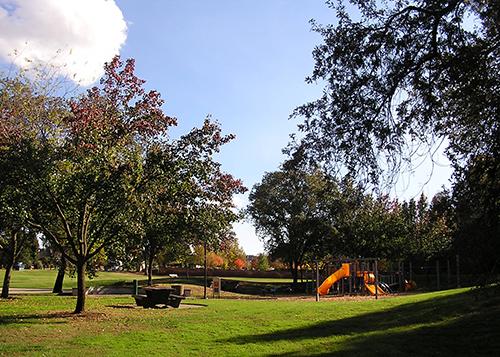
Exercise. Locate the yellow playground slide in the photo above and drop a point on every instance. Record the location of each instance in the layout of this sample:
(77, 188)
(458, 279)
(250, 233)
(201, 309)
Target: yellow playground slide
(339, 274)
(371, 289)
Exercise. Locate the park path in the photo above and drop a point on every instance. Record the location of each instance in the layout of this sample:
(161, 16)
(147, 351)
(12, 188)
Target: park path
(25, 291)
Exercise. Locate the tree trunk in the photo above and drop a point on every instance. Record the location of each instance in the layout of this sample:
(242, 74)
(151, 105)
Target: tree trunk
(58, 285)
(80, 300)
(12, 254)
(6, 281)
(150, 269)
(205, 270)
(295, 274)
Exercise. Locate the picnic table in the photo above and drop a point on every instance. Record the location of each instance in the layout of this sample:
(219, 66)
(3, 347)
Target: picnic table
(158, 295)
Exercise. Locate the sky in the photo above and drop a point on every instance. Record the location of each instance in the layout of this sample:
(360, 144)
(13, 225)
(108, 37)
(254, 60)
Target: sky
(242, 62)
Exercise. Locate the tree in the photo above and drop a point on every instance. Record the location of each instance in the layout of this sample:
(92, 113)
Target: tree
(214, 260)
(239, 263)
(441, 226)
(401, 80)
(262, 262)
(159, 204)
(12, 237)
(476, 199)
(25, 113)
(233, 254)
(79, 180)
(211, 215)
(427, 229)
(289, 211)
(13, 242)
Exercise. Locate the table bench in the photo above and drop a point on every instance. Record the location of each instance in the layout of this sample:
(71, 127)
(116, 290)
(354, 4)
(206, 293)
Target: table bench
(158, 296)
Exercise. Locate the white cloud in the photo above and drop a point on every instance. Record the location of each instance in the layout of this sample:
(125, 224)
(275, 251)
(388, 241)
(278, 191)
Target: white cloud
(74, 36)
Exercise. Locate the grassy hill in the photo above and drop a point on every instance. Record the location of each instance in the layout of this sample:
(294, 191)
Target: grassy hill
(454, 322)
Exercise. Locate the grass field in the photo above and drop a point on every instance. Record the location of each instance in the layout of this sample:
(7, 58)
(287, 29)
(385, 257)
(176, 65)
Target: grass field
(454, 322)
(44, 279)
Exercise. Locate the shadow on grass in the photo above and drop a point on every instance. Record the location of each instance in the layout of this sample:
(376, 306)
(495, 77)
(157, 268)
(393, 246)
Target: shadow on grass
(50, 316)
(36, 318)
(456, 324)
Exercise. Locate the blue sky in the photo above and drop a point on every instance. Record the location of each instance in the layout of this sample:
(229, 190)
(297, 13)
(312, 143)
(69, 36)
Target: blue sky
(244, 62)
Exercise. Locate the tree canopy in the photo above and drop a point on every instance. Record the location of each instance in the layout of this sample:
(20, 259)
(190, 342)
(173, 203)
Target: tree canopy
(304, 217)
(290, 209)
(400, 79)
(91, 171)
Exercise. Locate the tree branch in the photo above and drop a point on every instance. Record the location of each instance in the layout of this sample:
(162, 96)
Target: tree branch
(53, 238)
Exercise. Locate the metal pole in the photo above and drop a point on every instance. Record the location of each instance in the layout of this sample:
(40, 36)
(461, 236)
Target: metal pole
(317, 280)
(376, 280)
(355, 274)
(458, 270)
(350, 281)
(136, 287)
(313, 273)
(206, 270)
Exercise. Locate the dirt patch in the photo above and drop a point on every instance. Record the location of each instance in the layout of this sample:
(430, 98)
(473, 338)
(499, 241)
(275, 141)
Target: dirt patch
(89, 316)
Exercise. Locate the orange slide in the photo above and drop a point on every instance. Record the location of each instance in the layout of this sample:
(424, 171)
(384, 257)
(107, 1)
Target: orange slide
(369, 279)
(371, 289)
(339, 274)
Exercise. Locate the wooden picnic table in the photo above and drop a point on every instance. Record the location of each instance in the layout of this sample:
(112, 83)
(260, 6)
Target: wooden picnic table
(158, 295)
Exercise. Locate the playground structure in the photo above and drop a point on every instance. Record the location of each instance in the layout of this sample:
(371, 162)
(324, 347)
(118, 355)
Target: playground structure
(361, 277)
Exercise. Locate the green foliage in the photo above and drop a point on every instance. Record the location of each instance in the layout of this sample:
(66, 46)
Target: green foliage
(338, 219)
(184, 198)
(262, 262)
(476, 196)
(400, 79)
(229, 249)
(95, 174)
(290, 211)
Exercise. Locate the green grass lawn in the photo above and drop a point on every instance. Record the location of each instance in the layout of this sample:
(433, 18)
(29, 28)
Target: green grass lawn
(44, 279)
(455, 322)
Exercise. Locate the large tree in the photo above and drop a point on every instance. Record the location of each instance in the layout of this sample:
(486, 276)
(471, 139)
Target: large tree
(181, 185)
(27, 115)
(13, 241)
(290, 209)
(15, 237)
(79, 180)
(401, 78)
(476, 196)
